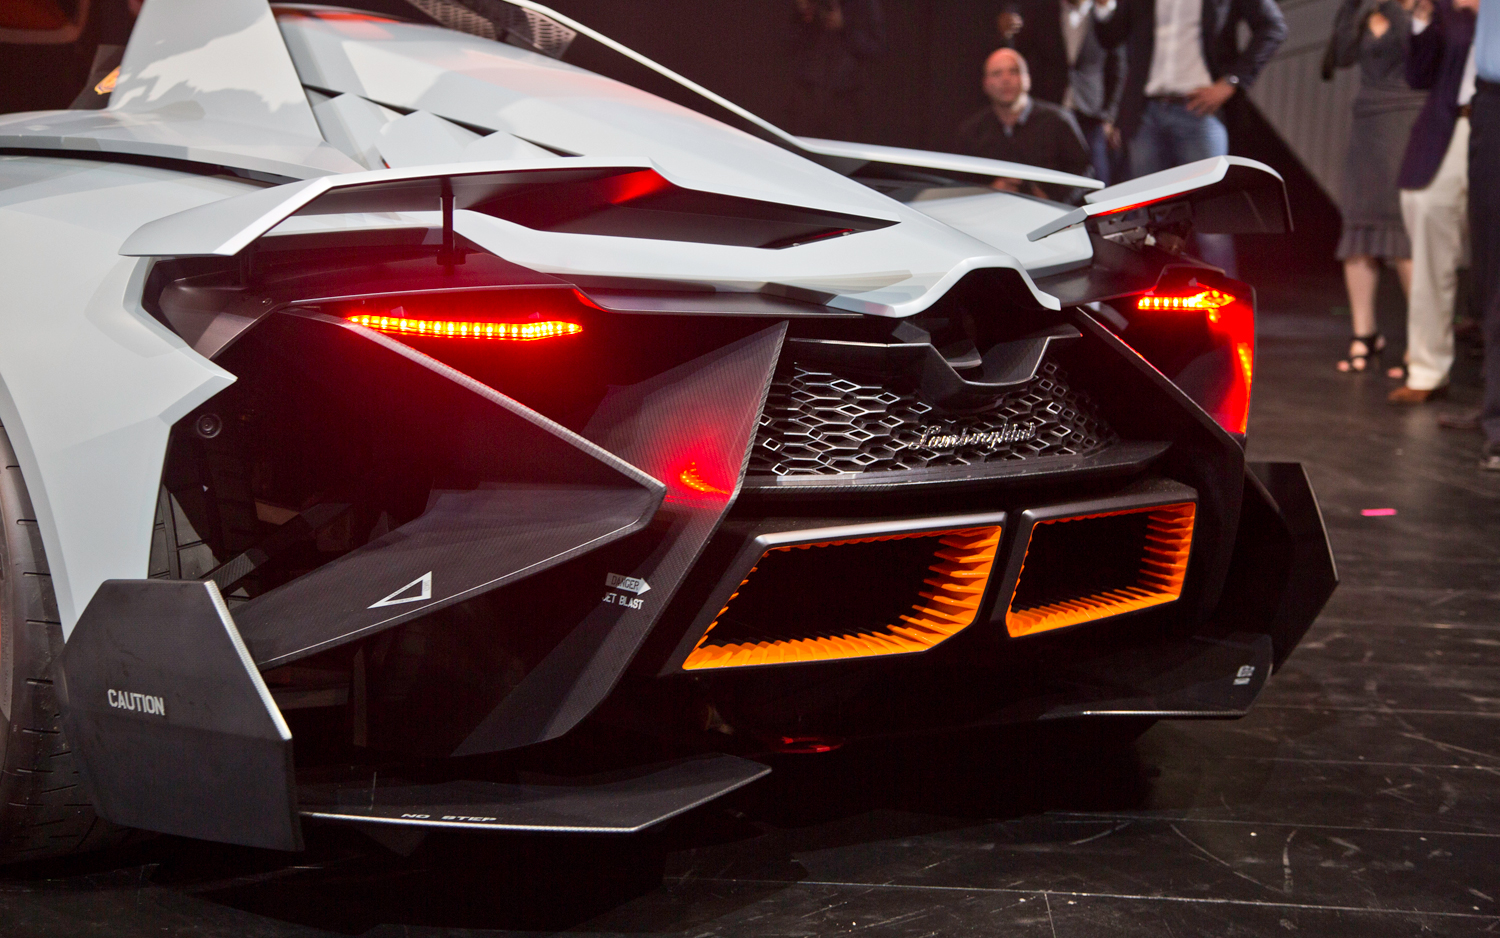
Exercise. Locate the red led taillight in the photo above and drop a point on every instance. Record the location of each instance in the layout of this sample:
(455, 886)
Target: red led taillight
(1231, 322)
(504, 314)
(692, 477)
(512, 331)
(1203, 299)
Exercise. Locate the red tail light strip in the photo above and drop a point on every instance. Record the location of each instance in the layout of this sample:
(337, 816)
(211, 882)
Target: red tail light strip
(1234, 321)
(441, 328)
(1204, 299)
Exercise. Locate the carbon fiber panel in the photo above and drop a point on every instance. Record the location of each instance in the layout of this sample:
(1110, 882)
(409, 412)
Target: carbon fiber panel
(821, 422)
(690, 427)
(508, 494)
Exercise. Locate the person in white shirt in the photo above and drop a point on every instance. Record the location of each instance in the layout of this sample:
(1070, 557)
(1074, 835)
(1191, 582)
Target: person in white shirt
(1183, 64)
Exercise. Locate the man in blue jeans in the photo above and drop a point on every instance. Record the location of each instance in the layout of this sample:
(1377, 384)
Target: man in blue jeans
(1183, 64)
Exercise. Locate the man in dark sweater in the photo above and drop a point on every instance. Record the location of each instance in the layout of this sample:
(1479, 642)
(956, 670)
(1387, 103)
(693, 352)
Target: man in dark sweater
(1070, 68)
(1018, 128)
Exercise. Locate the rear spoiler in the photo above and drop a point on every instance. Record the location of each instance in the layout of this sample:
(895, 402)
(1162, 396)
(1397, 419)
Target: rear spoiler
(1126, 224)
(528, 193)
(228, 226)
(1225, 195)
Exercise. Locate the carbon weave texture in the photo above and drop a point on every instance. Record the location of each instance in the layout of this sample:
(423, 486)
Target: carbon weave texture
(820, 422)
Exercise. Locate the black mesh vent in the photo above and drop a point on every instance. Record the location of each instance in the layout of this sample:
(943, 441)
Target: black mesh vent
(818, 422)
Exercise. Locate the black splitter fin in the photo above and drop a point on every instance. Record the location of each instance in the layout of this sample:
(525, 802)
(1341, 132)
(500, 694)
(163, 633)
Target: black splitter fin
(691, 427)
(534, 495)
(174, 728)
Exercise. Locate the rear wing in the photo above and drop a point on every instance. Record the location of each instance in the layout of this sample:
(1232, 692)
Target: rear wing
(1222, 194)
(1138, 228)
(540, 195)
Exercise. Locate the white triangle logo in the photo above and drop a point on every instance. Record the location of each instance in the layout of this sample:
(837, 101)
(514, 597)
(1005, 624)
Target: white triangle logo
(422, 585)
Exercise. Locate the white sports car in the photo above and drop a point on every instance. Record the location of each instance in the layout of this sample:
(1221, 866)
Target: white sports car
(538, 453)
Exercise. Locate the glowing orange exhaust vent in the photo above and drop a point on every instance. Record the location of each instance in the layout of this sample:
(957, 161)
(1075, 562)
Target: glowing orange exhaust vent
(958, 565)
(1151, 575)
(513, 331)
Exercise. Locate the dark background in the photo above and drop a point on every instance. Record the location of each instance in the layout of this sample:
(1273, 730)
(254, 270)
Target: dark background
(915, 95)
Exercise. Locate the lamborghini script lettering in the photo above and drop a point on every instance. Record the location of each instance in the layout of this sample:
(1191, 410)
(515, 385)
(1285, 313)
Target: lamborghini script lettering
(936, 438)
(139, 703)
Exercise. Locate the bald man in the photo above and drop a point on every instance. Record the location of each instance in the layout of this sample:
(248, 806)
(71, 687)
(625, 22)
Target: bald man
(1017, 127)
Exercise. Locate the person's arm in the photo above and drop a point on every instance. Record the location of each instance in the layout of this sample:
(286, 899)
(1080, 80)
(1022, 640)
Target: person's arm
(1115, 63)
(1072, 153)
(1112, 20)
(1267, 32)
(1424, 54)
(1348, 30)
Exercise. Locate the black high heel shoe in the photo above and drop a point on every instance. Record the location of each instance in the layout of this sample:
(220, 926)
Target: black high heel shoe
(1374, 344)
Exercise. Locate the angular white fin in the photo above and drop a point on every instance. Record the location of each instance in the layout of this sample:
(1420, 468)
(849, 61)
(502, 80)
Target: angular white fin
(423, 139)
(352, 124)
(223, 61)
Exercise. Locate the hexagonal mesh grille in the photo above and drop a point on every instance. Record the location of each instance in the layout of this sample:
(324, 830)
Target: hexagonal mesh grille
(818, 422)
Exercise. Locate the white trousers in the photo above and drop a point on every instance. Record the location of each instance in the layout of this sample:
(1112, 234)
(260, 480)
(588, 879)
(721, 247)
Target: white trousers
(1437, 221)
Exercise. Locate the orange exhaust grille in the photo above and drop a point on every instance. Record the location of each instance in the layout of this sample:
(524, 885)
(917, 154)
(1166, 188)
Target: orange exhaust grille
(1156, 566)
(958, 565)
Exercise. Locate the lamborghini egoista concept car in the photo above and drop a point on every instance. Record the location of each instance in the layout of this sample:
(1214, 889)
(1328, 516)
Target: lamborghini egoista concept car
(531, 439)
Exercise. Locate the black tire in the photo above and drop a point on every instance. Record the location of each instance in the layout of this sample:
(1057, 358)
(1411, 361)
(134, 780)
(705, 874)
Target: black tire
(44, 811)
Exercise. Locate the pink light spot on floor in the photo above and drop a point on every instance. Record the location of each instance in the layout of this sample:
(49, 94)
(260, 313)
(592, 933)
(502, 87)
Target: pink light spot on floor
(1377, 512)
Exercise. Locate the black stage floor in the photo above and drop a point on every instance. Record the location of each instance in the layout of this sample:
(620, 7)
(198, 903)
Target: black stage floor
(1361, 797)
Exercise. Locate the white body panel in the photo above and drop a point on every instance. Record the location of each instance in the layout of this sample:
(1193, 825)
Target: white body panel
(204, 81)
(224, 60)
(893, 271)
(559, 106)
(90, 383)
(1002, 220)
(176, 135)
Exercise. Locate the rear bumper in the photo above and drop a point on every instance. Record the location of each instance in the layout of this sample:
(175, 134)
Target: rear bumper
(1282, 574)
(1184, 660)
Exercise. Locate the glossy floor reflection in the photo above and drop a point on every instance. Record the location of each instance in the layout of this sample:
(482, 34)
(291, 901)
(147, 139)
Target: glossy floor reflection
(1361, 798)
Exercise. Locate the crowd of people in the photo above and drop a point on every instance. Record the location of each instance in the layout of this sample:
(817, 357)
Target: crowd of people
(1121, 88)
(1118, 89)
(1421, 190)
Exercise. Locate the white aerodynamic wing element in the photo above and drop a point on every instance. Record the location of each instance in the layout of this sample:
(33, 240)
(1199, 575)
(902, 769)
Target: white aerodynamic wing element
(885, 263)
(869, 153)
(224, 60)
(227, 227)
(1227, 195)
(1002, 220)
(205, 82)
(553, 105)
(947, 162)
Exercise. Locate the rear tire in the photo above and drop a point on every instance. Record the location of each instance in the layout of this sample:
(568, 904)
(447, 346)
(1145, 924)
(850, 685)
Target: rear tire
(44, 811)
